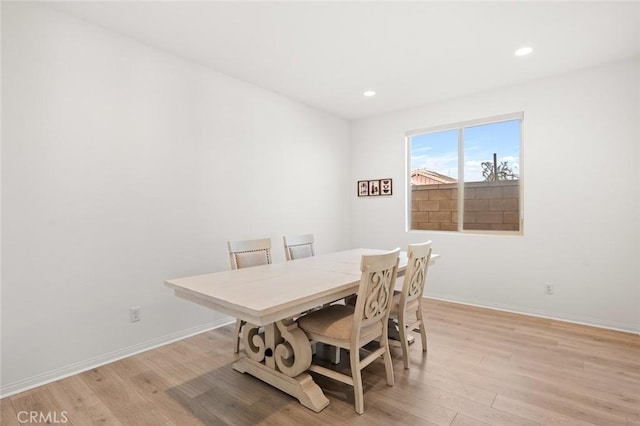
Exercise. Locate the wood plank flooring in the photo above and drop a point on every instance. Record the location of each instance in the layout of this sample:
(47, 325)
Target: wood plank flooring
(483, 367)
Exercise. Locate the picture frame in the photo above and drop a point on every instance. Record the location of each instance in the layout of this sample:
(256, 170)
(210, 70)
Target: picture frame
(386, 187)
(363, 188)
(375, 187)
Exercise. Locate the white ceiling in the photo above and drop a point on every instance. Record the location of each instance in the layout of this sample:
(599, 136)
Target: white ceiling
(326, 54)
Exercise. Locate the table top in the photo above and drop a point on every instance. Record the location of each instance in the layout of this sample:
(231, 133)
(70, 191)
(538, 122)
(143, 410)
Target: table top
(268, 293)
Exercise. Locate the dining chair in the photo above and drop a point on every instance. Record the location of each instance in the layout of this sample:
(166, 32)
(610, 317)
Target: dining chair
(407, 303)
(298, 246)
(353, 327)
(244, 254)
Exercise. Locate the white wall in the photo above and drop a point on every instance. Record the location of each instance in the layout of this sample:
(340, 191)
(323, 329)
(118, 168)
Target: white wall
(123, 166)
(581, 156)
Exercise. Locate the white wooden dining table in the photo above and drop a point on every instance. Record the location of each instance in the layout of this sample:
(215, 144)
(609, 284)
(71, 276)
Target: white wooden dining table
(268, 297)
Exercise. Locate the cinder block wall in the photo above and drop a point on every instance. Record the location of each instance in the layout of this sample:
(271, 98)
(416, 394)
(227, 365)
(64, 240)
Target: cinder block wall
(488, 206)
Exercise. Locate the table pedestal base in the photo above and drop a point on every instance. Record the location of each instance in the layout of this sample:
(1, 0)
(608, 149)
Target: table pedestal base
(394, 333)
(302, 387)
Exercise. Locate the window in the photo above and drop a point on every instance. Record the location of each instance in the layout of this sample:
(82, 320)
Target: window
(467, 176)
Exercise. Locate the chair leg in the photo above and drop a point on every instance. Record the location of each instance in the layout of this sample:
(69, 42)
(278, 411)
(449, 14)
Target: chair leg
(335, 355)
(236, 344)
(423, 331)
(388, 365)
(404, 339)
(356, 375)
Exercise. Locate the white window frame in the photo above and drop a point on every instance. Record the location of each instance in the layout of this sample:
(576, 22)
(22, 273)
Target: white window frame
(460, 126)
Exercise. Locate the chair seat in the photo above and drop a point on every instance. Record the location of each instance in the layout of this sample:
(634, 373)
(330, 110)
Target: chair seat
(336, 322)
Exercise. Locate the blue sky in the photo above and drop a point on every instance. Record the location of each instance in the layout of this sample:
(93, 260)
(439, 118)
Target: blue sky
(439, 151)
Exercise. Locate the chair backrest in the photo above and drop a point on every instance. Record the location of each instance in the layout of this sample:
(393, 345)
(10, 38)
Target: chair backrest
(244, 254)
(375, 293)
(298, 246)
(415, 275)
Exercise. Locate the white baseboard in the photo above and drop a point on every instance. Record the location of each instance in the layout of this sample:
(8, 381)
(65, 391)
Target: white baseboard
(575, 319)
(79, 367)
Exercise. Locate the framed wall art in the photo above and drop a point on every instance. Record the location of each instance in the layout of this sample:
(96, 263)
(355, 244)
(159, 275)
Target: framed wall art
(385, 187)
(363, 188)
(375, 187)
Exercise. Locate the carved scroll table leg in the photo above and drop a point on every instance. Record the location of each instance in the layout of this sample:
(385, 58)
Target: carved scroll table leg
(280, 357)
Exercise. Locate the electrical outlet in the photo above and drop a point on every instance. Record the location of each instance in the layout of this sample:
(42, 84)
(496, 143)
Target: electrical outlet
(134, 314)
(548, 288)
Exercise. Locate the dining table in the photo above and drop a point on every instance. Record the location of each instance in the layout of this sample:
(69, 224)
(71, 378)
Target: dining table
(269, 298)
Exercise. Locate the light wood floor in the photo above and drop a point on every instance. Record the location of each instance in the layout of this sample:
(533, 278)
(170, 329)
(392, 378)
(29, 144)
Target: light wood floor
(482, 367)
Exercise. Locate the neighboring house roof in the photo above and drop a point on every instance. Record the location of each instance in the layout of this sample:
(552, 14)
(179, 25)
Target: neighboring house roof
(424, 176)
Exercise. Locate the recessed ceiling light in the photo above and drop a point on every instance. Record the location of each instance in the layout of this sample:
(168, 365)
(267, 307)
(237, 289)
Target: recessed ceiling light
(523, 51)
(369, 93)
